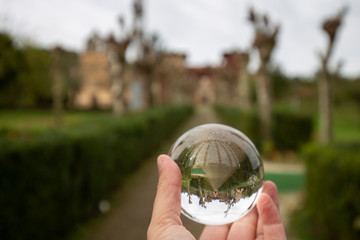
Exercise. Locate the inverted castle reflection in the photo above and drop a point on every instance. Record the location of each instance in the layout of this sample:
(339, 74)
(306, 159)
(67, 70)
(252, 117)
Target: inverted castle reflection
(222, 173)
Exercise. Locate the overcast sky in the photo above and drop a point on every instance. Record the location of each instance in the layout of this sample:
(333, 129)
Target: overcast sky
(203, 29)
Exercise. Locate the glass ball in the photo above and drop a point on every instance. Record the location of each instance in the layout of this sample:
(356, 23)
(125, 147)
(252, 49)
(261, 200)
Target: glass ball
(222, 173)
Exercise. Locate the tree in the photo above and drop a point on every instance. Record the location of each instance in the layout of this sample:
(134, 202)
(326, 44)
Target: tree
(118, 67)
(264, 42)
(57, 84)
(244, 82)
(280, 83)
(148, 64)
(34, 79)
(9, 60)
(330, 26)
(12, 62)
(24, 77)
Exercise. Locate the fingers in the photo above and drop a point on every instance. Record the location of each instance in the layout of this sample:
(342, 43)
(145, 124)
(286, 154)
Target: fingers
(215, 232)
(270, 188)
(245, 227)
(252, 225)
(272, 227)
(167, 205)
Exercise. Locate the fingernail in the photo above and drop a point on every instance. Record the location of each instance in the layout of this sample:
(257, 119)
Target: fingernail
(160, 162)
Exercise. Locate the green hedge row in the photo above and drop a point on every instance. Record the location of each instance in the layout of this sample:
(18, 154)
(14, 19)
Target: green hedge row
(52, 182)
(332, 206)
(248, 122)
(289, 131)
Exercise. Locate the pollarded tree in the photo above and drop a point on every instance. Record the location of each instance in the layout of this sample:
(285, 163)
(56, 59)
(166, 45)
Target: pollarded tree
(243, 83)
(148, 65)
(330, 26)
(264, 41)
(118, 66)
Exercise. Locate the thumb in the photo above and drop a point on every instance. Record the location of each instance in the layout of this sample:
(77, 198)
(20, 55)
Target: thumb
(167, 205)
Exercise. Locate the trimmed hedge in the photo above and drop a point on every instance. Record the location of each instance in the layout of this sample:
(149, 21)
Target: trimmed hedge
(332, 206)
(289, 131)
(246, 122)
(52, 182)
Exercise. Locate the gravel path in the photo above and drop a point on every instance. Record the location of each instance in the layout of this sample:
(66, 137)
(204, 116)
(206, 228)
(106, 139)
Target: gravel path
(131, 208)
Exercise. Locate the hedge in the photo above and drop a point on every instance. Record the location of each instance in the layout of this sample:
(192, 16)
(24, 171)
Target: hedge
(53, 181)
(331, 209)
(246, 122)
(290, 131)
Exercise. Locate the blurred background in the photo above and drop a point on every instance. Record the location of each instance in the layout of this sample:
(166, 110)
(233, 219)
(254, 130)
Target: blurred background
(91, 92)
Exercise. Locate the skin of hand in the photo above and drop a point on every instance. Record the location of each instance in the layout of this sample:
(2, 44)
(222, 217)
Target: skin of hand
(263, 222)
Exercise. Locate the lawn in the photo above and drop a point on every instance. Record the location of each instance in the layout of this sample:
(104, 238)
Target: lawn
(287, 182)
(347, 123)
(346, 119)
(43, 119)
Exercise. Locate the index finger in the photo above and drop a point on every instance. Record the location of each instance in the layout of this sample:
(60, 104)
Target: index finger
(270, 189)
(271, 225)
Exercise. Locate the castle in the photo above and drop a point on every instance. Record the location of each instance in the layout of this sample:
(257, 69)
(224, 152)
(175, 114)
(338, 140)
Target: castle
(172, 81)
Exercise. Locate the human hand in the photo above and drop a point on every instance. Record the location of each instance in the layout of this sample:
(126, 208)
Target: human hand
(263, 222)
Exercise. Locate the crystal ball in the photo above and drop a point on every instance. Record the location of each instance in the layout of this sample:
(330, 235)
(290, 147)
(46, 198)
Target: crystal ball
(222, 173)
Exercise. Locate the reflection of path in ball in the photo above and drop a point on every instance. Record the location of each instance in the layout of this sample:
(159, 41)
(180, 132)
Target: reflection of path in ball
(209, 166)
(218, 151)
(217, 176)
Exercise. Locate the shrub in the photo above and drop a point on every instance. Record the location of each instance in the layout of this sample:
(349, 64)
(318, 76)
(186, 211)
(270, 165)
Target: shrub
(332, 206)
(289, 131)
(246, 122)
(53, 181)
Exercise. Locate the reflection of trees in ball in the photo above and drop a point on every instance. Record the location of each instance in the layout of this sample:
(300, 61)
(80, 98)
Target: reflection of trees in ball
(185, 167)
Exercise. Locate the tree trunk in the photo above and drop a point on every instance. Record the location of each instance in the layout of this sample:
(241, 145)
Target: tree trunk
(57, 85)
(325, 113)
(116, 71)
(149, 88)
(244, 90)
(118, 106)
(57, 98)
(264, 103)
(120, 88)
(324, 94)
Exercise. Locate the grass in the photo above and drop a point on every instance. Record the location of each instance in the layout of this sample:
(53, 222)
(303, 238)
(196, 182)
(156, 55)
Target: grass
(347, 123)
(43, 119)
(346, 118)
(346, 129)
(287, 182)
